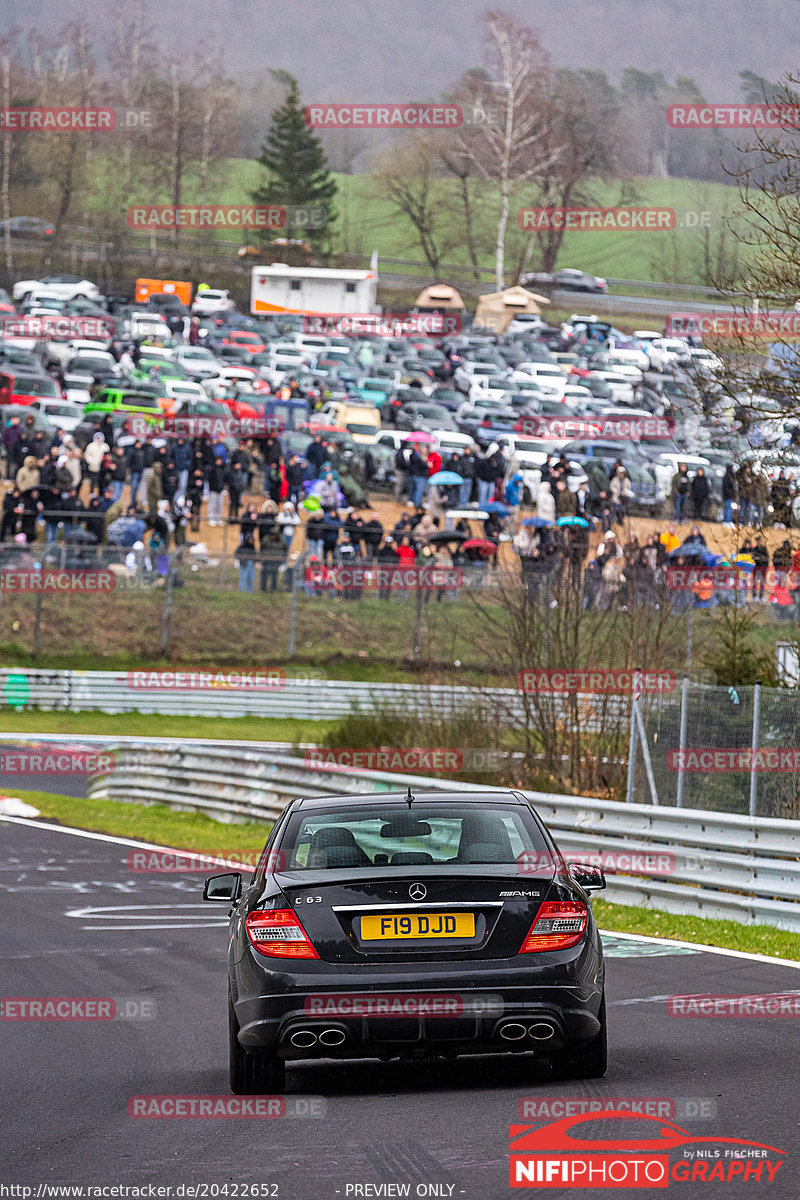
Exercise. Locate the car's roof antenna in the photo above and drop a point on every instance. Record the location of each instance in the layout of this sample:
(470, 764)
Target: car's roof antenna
(409, 797)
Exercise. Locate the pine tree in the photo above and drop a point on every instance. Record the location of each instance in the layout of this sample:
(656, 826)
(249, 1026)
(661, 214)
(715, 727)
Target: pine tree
(297, 169)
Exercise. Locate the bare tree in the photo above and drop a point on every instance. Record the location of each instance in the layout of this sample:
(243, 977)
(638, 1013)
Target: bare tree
(519, 146)
(408, 179)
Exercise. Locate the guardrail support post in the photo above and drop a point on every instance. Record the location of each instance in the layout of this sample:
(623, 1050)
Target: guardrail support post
(682, 747)
(754, 748)
(632, 741)
(293, 612)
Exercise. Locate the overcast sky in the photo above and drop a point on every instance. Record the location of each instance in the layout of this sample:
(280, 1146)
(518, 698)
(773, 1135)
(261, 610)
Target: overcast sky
(384, 49)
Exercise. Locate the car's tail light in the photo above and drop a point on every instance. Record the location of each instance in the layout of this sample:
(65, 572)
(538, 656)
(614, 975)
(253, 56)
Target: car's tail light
(559, 924)
(278, 933)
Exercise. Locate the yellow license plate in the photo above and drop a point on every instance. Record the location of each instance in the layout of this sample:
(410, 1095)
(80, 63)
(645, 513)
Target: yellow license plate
(417, 925)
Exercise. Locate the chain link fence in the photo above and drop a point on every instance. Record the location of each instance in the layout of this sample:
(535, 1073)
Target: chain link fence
(727, 749)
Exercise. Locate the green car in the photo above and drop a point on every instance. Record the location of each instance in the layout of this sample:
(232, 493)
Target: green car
(166, 369)
(127, 400)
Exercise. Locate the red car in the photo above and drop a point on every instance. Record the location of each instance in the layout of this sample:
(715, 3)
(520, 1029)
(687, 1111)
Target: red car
(23, 387)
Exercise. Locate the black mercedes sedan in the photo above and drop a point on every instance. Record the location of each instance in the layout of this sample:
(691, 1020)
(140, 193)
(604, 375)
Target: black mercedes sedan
(411, 925)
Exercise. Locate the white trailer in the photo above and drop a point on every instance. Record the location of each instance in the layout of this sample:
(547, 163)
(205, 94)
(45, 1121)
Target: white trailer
(283, 289)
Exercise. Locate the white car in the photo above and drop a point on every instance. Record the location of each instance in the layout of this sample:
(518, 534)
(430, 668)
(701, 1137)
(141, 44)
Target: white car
(61, 287)
(60, 353)
(489, 387)
(613, 360)
(307, 341)
(621, 388)
(184, 389)
(211, 302)
(624, 356)
(574, 395)
(525, 323)
(143, 325)
(228, 378)
(467, 373)
(665, 354)
(704, 362)
(197, 361)
(538, 371)
(64, 413)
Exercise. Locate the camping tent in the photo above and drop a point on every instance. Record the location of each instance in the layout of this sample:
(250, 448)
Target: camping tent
(497, 309)
(439, 297)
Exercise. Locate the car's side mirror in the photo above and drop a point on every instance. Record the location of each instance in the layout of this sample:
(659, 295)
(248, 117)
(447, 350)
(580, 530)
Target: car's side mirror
(224, 889)
(591, 878)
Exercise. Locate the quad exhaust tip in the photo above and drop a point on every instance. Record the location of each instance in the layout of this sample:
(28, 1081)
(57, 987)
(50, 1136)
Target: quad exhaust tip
(513, 1032)
(303, 1038)
(542, 1031)
(331, 1037)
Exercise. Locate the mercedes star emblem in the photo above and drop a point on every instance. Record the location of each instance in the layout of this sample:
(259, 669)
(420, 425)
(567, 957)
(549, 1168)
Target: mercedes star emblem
(418, 891)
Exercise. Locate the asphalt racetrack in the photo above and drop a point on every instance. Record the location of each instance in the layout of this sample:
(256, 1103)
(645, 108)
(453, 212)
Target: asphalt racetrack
(76, 921)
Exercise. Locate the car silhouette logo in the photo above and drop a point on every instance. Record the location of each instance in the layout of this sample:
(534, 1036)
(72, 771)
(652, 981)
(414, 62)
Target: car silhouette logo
(418, 891)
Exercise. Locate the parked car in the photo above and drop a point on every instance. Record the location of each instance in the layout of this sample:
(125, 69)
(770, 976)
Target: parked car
(28, 227)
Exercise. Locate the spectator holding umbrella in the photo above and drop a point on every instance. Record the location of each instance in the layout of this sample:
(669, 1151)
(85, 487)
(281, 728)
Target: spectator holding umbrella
(11, 435)
(417, 477)
(467, 470)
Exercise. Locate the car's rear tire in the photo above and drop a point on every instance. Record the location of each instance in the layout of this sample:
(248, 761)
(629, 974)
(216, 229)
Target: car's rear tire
(251, 1074)
(587, 1060)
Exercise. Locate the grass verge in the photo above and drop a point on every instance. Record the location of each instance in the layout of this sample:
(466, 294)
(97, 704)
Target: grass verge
(191, 831)
(729, 935)
(149, 823)
(252, 729)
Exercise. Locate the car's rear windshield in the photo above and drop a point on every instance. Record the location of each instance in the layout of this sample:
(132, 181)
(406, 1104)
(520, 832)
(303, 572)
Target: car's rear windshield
(30, 385)
(429, 835)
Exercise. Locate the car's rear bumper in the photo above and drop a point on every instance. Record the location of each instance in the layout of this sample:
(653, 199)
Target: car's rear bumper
(455, 1010)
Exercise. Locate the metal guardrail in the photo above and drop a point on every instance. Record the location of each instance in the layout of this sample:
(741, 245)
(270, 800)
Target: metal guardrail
(303, 693)
(717, 865)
